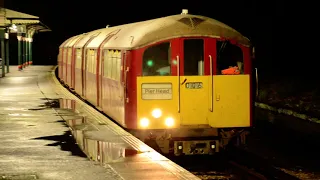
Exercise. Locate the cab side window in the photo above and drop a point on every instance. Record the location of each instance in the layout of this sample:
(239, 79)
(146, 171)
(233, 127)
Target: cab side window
(156, 60)
(78, 58)
(229, 58)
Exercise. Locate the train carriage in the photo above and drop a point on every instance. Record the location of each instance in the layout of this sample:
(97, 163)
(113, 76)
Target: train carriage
(183, 81)
(62, 58)
(70, 61)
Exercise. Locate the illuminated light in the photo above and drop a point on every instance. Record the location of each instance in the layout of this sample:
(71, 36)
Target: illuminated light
(13, 27)
(150, 63)
(144, 122)
(184, 11)
(213, 146)
(156, 113)
(174, 62)
(169, 122)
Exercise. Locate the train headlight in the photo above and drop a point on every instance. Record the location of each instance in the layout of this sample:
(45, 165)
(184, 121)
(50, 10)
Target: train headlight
(169, 121)
(156, 113)
(144, 122)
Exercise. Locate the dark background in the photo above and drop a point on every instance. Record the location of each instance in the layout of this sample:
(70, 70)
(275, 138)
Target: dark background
(254, 19)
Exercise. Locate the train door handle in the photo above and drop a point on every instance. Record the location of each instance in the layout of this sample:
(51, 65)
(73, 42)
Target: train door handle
(211, 84)
(126, 84)
(217, 97)
(178, 75)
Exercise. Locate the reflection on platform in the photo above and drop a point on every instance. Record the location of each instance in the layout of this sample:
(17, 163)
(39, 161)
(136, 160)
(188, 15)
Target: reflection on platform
(96, 139)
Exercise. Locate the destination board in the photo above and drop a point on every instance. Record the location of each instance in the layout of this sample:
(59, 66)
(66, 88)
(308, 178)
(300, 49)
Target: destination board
(153, 91)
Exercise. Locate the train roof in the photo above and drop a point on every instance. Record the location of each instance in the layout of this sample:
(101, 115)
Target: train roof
(135, 35)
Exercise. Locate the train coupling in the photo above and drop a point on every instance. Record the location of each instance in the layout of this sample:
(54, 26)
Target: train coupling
(196, 147)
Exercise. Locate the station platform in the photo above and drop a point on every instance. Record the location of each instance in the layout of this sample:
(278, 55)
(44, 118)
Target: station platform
(38, 117)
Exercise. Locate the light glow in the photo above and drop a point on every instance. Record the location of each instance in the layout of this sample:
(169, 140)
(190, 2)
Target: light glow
(169, 122)
(144, 122)
(156, 113)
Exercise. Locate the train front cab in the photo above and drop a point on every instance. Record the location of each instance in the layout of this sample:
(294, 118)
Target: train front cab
(181, 90)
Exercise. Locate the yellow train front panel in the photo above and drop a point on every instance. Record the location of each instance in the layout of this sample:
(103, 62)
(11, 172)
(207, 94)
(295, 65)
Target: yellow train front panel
(231, 101)
(157, 102)
(194, 100)
(171, 102)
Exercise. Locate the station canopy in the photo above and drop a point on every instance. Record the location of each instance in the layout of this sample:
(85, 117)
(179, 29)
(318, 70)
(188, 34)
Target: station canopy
(21, 22)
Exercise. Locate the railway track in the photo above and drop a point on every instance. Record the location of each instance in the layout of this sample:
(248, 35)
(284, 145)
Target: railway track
(253, 166)
(243, 172)
(236, 163)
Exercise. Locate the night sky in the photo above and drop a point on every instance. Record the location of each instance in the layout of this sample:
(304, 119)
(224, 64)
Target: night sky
(66, 18)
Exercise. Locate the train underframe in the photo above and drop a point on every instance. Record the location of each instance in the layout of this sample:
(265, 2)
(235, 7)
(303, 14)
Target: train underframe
(192, 141)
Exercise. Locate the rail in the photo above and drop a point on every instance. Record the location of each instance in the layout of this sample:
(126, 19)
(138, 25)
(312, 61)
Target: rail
(255, 166)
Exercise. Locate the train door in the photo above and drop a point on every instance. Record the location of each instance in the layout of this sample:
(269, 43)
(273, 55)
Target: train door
(68, 66)
(84, 64)
(104, 71)
(74, 63)
(73, 59)
(78, 71)
(123, 77)
(230, 95)
(83, 70)
(64, 63)
(99, 77)
(194, 85)
(60, 62)
(102, 58)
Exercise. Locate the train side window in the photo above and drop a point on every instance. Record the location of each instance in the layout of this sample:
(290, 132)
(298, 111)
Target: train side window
(94, 61)
(156, 60)
(69, 55)
(229, 58)
(89, 64)
(88, 61)
(64, 55)
(114, 64)
(118, 65)
(59, 55)
(78, 59)
(110, 52)
(91, 61)
(105, 63)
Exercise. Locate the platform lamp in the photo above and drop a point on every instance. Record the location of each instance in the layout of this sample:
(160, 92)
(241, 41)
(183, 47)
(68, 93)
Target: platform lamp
(6, 37)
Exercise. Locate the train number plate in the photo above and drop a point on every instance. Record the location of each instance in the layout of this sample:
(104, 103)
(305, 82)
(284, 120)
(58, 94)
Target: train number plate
(194, 85)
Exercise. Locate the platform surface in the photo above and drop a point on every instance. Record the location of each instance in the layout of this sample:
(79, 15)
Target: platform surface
(37, 143)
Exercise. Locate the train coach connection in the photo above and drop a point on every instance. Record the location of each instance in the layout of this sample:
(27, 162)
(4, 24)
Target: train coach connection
(183, 81)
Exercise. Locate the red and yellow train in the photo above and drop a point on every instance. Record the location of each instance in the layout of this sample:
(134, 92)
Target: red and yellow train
(166, 80)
